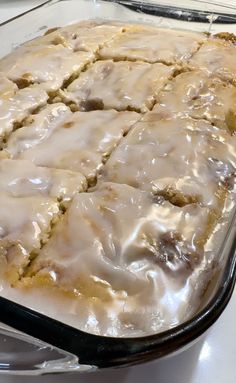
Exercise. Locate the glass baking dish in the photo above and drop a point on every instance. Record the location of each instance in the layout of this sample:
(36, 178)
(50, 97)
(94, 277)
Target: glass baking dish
(32, 343)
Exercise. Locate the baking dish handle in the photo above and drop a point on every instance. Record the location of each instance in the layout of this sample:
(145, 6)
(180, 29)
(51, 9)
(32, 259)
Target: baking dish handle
(21, 354)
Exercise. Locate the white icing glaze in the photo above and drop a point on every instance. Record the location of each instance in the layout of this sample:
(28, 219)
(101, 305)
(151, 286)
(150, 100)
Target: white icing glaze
(184, 155)
(23, 178)
(216, 57)
(19, 105)
(85, 36)
(120, 85)
(199, 96)
(152, 45)
(37, 128)
(127, 258)
(58, 138)
(29, 202)
(49, 65)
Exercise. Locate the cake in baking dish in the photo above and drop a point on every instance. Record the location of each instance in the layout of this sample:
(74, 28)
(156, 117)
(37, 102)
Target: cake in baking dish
(117, 173)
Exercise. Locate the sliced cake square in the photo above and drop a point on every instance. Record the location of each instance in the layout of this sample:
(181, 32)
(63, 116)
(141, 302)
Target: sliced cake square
(198, 95)
(149, 44)
(31, 199)
(49, 65)
(216, 57)
(119, 85)
(176, 158)
(118, 249)
(17, 104)
(84, 36)
(79, 141)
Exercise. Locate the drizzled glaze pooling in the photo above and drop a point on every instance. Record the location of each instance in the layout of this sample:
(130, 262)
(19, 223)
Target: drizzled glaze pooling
(117, 174)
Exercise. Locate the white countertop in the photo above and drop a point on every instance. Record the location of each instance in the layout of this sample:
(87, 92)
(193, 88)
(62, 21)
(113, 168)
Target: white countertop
(213, 360)
(12, 8)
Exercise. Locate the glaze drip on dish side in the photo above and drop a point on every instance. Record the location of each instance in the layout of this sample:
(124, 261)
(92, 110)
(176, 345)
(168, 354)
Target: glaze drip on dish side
(117, 173)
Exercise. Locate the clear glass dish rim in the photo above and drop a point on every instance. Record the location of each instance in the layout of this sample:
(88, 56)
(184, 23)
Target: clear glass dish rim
(168, 4)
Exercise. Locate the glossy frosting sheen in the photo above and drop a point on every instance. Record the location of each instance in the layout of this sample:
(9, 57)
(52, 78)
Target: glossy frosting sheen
(117, 174)
(16, 105)
(152, 45)
(199, 96)
(60, 139)
(48, 65)
(117, 248)
(175, 156)
(120, 85)
(29, 203)
(216, 57)
(88, 36)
